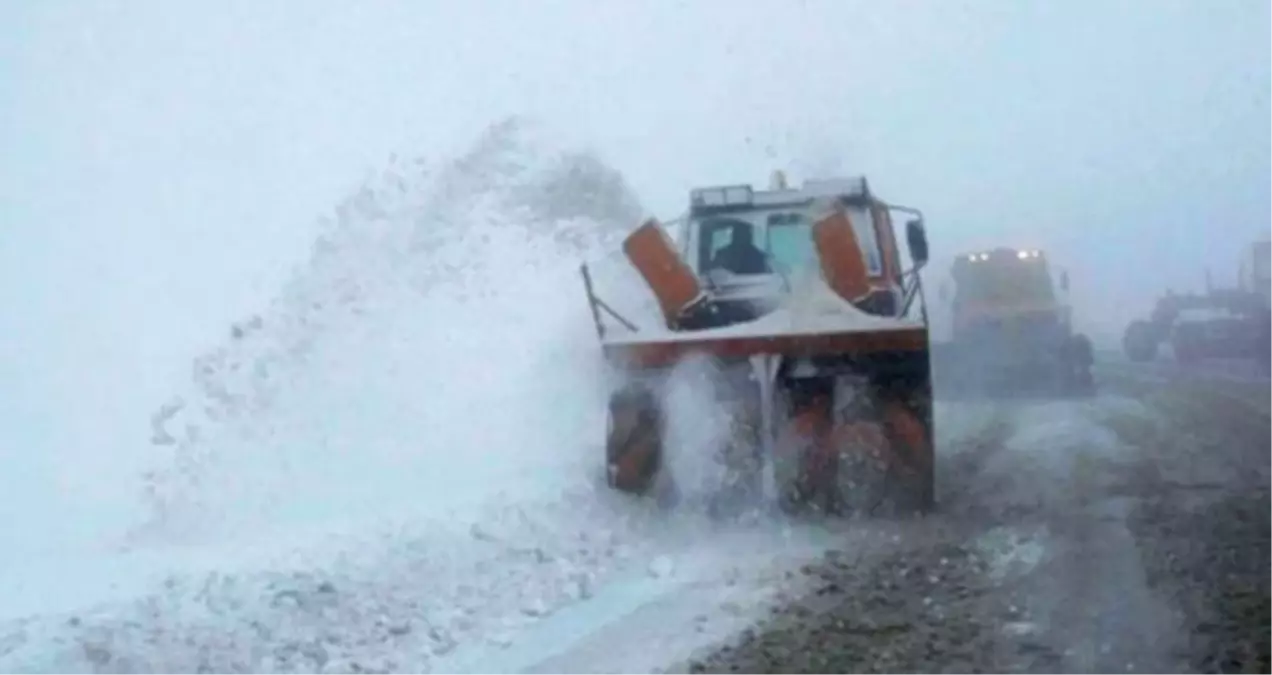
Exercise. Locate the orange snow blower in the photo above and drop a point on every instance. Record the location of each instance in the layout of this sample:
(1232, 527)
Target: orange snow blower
(816, 338)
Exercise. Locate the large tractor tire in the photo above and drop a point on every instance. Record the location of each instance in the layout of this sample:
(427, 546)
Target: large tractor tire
(636, 438)
(634, 441)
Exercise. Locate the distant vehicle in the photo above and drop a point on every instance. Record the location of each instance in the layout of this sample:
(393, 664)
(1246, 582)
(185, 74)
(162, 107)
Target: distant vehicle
(1219, 323)
(1012, 333)
(801, 301)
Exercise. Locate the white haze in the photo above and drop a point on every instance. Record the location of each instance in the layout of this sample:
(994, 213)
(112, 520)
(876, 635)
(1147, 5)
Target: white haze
(163, 166)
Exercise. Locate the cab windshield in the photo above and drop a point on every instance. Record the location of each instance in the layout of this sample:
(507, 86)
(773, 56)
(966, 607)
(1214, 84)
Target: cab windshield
(790, 242)
(734, 242)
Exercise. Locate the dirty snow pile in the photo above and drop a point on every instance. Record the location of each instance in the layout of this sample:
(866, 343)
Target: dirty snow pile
(398, 456)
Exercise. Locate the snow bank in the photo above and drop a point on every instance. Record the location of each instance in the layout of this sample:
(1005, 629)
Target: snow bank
(400, 454)
(410, 360)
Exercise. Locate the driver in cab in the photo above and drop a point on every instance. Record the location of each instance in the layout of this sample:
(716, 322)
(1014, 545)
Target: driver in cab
(741, 255)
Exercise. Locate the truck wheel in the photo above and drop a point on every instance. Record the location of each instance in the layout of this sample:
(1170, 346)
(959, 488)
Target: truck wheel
(633, 448)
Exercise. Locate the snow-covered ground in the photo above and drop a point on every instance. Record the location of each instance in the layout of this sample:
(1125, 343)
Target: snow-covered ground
(411, 425)
(395, 466)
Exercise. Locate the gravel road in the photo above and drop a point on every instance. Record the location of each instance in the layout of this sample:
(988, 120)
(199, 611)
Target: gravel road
(1126, 533)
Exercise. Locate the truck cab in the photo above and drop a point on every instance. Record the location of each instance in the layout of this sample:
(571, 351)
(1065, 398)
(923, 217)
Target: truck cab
(749, 246)
(1011, 326)
(1006, 286)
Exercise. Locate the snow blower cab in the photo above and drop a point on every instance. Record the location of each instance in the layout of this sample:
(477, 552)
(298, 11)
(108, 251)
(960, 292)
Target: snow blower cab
(796, 306)
(1012, 332)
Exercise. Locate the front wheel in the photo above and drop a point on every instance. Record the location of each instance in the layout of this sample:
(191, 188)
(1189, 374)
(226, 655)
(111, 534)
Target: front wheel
(633, 444)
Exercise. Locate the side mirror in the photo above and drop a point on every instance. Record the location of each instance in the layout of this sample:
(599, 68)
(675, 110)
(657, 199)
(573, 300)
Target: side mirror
(1064, 280)
(916, 239)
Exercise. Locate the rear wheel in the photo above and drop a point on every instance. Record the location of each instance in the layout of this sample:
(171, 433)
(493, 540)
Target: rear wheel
(633, 445)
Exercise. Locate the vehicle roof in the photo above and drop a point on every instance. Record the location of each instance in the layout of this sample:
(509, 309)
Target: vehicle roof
(810, 190)
(813, 189)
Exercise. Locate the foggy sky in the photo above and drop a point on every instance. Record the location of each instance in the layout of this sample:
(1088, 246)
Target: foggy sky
(162, 164)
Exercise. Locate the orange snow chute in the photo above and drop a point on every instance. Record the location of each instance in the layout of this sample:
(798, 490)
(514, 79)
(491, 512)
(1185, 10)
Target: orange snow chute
(842, 264)
(671, 280)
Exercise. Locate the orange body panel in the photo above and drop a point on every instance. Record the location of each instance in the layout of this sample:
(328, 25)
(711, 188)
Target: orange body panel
(841, 262)
(659, 354)
(667, 275)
